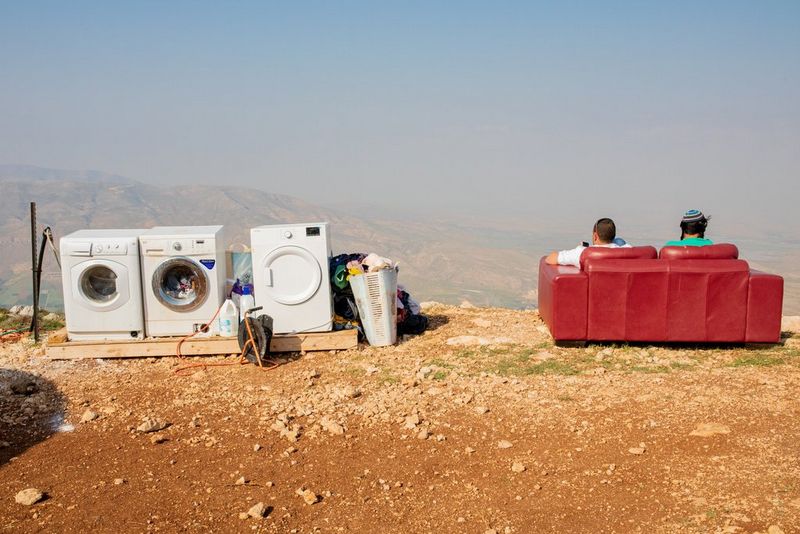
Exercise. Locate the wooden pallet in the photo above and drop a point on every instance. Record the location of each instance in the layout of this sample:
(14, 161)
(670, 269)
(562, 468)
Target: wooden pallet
(60, 349)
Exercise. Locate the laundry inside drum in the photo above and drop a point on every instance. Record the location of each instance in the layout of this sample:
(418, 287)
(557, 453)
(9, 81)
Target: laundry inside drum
(99, 283)
(180, 283)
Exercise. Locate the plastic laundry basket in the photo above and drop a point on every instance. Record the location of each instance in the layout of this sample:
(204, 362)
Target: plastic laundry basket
(376, 298)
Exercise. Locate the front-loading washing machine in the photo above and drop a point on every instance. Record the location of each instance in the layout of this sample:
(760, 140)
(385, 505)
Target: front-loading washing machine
(101, 281)
(291, 278)
(183, 278)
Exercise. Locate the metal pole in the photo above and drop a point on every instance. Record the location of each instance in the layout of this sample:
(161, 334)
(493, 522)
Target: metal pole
(34, 268)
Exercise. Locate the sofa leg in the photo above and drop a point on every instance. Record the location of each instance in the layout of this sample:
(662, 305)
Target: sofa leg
(571, 344)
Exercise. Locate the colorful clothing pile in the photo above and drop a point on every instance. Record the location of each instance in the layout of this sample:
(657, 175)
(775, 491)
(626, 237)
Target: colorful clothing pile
(342, 267)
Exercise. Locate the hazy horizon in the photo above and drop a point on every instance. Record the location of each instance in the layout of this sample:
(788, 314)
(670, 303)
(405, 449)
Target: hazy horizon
(504, 110)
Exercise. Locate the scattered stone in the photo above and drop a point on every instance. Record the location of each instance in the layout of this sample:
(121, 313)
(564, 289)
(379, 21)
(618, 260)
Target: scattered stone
(88, 416)
(243, 515)
(637, 450)
(292, 434)
(256, 447)
(480, 410)
(504, 444)
(412, 421)
(155, 440)
(4, 444)
(257, 511)
(705, 430)
(542, 329)
(308, 496)
(469, 450)
(468, 341)
(517, 467)
(350, 392)
(29, 497)
(774, 529)
(790, 323)
(152, 425)
(371, 370)
(119, 481)
(312, 374)
(482, 323)
(423, 434)
(22, 311)
(332, 427)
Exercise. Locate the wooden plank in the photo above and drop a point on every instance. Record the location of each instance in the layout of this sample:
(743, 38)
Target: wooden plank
(156, 347)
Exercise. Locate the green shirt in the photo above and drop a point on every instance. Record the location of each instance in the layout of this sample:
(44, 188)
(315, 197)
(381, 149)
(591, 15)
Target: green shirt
(690, 242)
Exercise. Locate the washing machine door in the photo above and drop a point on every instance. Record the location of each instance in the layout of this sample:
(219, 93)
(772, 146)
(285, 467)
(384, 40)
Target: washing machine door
(292, 275)
(180, 284)
(100, 285)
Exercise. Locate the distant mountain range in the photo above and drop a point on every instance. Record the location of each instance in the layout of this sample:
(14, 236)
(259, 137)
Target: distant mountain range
(480, 259)
(439, 260)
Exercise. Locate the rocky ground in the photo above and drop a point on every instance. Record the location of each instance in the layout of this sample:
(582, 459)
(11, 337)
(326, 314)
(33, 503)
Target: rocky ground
(480, 425)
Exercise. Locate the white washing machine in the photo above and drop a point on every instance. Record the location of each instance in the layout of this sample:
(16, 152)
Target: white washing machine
(183, 278)
(290, 276)
(102, 285)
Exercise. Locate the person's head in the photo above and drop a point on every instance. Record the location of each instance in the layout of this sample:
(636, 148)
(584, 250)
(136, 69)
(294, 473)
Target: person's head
(694, 224)
(604, 231)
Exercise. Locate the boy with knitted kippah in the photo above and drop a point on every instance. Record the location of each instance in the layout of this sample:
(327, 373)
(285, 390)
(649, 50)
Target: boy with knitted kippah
(693, 230)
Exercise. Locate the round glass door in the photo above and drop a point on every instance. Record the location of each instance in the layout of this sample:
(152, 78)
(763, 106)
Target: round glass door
(99, 284)
(180, 284)
(292, 275)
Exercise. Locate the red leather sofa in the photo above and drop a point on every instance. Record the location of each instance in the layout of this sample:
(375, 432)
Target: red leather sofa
(684, 294)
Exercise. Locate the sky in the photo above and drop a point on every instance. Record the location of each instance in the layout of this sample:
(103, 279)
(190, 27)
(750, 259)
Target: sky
(568, 110)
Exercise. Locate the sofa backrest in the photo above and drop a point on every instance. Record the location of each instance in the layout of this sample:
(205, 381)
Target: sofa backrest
(723, 251)
(618, 253)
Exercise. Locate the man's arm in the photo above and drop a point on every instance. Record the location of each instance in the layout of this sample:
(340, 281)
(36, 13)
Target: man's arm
(566, 257)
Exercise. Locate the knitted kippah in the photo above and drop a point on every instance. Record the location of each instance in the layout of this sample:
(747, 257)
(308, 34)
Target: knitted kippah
(693, 216)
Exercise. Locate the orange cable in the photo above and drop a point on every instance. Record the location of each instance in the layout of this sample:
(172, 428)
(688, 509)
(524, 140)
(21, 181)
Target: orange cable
(242, 360)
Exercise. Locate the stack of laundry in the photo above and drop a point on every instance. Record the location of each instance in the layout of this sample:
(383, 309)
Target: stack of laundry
(342, 267)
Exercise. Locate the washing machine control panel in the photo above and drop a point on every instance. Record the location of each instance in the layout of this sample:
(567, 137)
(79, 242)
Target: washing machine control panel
(109, 248)
(191, 246)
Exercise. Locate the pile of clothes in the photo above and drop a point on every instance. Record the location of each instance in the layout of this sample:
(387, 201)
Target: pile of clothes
(342, 267)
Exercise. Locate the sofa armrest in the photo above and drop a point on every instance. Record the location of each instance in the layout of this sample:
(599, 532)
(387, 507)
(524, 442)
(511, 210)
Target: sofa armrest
(563, 301)
(764, 308)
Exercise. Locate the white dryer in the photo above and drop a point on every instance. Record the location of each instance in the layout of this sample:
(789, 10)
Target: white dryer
(291, 278)
(102, 284)
(183, 278)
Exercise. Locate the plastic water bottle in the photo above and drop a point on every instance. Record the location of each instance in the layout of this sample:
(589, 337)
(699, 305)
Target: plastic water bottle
(246, 302)
(229, 319)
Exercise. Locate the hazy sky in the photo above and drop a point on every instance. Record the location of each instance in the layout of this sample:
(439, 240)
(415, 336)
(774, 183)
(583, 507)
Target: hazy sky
(483, 105)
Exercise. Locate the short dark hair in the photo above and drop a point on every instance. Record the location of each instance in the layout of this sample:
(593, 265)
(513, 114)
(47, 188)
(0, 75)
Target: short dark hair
(606, 230)
(694, 227)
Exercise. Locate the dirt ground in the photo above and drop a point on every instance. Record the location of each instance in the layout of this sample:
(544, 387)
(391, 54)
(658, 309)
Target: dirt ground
(480, 424)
